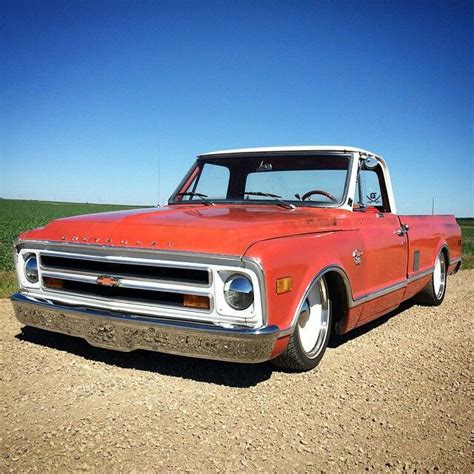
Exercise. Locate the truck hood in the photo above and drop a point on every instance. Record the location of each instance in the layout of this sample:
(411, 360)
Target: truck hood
(219, 229)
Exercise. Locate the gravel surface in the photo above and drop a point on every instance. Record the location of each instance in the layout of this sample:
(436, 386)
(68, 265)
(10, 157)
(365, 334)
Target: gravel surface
(394, 395)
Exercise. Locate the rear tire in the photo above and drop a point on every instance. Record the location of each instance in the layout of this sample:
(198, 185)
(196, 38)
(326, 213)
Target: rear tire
(434, 292)
(309, 340)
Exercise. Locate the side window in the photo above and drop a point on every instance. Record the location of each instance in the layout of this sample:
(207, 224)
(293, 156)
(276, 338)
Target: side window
(370, 190)
(213, 181)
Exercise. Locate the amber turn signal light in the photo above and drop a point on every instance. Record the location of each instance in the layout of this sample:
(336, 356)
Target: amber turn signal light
(195, 301)
(283, 285)
(54, 283)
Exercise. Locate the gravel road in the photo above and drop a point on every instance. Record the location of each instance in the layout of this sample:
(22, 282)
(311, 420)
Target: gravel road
(394, 395)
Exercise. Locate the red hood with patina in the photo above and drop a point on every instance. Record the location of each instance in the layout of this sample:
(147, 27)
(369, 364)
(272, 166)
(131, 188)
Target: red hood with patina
(219, 229)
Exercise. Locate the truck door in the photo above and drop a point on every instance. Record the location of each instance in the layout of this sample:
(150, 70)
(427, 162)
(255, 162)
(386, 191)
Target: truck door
(385, 253)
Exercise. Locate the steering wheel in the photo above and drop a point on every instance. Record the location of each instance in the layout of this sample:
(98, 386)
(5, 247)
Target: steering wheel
(318, 191)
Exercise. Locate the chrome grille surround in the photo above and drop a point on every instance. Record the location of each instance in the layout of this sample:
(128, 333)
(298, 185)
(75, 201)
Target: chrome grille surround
(217, 267)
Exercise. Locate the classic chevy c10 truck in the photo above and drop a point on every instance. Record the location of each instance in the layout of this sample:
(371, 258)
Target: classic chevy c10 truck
(261, 254)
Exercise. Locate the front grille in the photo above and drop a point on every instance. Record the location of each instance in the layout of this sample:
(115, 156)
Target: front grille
(142, 283)
(135, 285)
(151, 272)
(129, 294)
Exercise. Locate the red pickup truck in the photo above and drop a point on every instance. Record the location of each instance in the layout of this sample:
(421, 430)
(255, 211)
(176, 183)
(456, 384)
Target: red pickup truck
(261, 254)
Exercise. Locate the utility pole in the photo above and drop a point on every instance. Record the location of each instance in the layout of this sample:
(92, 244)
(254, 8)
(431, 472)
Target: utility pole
(432, 206)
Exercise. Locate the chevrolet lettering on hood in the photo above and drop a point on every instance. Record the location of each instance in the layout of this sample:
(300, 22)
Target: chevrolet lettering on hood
(261, 254)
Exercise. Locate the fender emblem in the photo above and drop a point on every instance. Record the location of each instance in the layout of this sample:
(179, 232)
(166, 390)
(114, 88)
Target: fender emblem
(357, 254)
(107, 281)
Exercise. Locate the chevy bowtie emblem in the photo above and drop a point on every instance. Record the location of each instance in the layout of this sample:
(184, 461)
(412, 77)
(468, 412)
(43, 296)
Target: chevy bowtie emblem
(107, 281)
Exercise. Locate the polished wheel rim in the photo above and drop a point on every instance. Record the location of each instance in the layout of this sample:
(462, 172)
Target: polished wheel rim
(439, 276)
(313, 319)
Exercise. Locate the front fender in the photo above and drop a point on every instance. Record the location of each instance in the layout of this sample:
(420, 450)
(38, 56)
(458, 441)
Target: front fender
(302, 258)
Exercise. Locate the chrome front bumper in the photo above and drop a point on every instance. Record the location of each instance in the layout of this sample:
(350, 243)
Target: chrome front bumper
(128, 332)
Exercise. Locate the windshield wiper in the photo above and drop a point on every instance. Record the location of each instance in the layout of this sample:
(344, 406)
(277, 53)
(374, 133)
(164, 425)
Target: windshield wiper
(201, 196)
(282, 203)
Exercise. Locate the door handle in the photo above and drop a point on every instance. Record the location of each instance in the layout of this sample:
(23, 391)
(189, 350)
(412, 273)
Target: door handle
(403, 230)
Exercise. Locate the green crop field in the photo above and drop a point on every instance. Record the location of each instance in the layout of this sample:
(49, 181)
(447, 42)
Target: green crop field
(17, 216)
(467, 228)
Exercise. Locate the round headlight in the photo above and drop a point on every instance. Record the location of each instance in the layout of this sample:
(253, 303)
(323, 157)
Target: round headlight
(31, 269)
(238, 292)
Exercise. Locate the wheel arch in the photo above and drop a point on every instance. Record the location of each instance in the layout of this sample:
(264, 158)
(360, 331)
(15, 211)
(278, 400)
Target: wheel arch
(442, 248)
(445, 251)
(340, 294)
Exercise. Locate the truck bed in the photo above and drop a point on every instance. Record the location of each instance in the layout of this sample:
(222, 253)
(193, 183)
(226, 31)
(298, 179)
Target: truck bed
(426, 235)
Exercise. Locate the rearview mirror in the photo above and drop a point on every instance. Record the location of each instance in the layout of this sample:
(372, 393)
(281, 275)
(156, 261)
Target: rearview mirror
(264, 167)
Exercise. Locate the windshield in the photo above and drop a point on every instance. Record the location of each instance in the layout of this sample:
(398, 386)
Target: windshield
(309, 180)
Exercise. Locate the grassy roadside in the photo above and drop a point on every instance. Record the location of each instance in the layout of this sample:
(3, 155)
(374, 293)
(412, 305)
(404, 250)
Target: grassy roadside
(8, 284)
(467, 229)
(17, 216)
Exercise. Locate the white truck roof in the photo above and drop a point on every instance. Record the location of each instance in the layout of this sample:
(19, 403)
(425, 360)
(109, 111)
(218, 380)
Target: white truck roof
(279, 149)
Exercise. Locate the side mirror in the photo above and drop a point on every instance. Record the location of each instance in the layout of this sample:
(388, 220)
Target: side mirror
(370, 163)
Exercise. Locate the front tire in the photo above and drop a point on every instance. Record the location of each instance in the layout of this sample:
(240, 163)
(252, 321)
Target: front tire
(309, 340)
(434, 292)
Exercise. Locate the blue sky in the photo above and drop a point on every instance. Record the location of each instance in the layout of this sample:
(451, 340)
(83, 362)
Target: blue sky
(110, 101)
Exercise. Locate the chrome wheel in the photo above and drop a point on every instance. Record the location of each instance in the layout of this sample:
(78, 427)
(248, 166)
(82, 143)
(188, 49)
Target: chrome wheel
(433, 293)
(439, 276)
(312, 329)
(313, 320)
